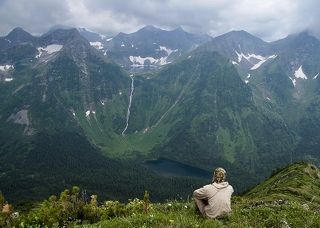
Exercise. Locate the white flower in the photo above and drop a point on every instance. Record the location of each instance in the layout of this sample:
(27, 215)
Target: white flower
(305, 206)
(15, 215)
(285, 223)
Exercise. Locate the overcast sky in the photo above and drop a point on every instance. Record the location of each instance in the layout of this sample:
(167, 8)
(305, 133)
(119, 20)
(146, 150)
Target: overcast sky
(267, 19)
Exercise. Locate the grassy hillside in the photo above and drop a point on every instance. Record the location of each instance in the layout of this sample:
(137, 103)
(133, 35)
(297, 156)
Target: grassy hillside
(299, 182)
(290, 198)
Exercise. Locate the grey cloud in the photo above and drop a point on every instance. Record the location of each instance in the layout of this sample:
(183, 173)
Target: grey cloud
(272, 19)
(35, 16)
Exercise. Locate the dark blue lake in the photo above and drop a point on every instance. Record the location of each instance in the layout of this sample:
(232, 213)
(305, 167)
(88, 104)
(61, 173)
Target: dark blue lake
(168, 167)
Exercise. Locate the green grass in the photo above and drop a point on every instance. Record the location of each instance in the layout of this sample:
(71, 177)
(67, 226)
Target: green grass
(236, 141)
(171, 214)
(129, 145)
(299, 182)
(290, 198)
(245, 213)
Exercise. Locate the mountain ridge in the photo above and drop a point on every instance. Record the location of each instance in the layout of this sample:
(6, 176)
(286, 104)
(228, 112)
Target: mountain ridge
(202, 109)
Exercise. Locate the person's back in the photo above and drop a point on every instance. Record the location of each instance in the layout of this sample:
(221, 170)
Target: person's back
(214, 200)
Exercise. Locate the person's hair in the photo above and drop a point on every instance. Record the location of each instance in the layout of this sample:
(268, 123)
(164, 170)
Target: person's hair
(219, 175)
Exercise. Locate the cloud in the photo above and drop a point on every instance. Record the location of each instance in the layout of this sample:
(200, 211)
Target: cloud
(35, 15)
(269, 20)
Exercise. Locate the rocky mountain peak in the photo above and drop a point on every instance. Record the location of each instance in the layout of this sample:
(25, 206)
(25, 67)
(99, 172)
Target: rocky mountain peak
(18, 35)
(61, 36)
(149, 28)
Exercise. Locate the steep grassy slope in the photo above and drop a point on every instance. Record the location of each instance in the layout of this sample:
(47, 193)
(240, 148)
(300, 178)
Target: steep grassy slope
(299, 182)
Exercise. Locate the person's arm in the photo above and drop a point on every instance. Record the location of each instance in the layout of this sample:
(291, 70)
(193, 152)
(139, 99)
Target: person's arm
(201, 193)
(232, 190)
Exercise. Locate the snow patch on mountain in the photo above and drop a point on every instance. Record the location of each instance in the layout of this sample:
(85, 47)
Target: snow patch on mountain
(109, 39)
(102, 36)
(316, 76)
(98, 45)
(234, 63)
(293, 81)
(300, 74)
(253, 58)
(163, 61)
(89, 112)
(50, 49)
(6, 67)
(247, 79)
(248, 57)
(8, 79)
(138, 61)
(168, 50)
(257, 65)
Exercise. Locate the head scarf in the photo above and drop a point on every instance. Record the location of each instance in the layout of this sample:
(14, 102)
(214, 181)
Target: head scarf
(219, 175)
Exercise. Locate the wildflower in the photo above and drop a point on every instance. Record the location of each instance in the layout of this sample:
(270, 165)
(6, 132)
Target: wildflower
(15, 215)
(305, 206)
(171, 220)
(285, 224)
(185, 206)
(93, 200)
(169, 204)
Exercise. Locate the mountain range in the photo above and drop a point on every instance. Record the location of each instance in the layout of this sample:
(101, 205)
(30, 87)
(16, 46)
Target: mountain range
(147, 49)
(81, 108)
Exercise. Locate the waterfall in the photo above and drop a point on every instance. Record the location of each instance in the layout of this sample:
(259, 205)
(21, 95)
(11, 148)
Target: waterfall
(129, 106)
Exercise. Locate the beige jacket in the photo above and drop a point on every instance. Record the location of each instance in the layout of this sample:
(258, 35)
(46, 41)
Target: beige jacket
(214, 200)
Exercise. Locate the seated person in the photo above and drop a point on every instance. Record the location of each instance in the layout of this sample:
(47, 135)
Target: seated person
(214, 200)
